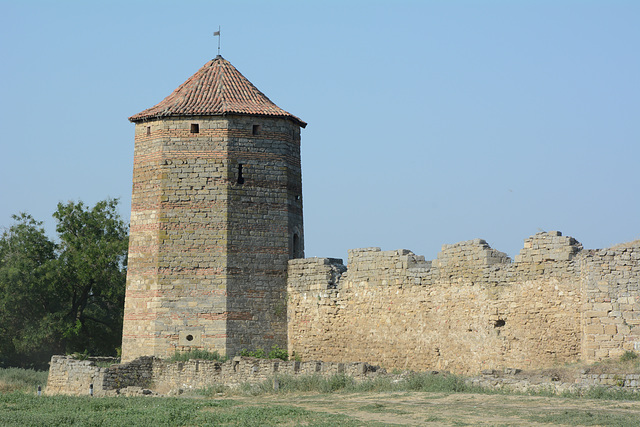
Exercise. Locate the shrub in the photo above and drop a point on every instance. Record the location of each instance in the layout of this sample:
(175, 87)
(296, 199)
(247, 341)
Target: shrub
(278, 353)
(197, 354)
(259, 353)
(628, 356)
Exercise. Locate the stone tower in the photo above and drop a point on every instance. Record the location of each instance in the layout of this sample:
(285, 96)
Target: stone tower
(216, 214)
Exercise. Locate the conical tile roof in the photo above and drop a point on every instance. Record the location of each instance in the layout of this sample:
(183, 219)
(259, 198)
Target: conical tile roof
(216, 89)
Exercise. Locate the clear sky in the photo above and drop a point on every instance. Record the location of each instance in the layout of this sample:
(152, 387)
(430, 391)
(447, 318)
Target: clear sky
(430, 122)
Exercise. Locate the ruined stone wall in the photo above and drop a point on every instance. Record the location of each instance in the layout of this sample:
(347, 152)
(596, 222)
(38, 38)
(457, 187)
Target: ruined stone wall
(75, 377)
(611, 311)
(468, 310)
(68, 375)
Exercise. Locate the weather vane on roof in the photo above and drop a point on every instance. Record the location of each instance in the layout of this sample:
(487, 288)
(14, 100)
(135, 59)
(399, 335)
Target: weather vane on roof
(217, 33)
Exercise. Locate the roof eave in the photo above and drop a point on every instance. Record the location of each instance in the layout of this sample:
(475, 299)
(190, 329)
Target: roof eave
(146, 118)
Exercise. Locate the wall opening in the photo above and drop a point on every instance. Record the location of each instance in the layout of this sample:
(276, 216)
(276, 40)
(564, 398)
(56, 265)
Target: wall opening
(255, 129)
(499, 323)
(190, 338)
(148, 130)
(240, 177)
(195, 128)
(296, 249)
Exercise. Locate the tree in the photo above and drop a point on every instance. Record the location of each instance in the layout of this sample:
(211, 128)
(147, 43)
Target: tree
(92, 273)
(65, 297)
(26, 282)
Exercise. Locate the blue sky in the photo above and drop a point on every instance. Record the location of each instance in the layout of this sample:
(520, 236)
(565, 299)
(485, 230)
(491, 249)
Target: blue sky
(430, 122)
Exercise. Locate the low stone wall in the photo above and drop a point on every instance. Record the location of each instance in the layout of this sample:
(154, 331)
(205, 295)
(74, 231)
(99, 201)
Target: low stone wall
(629, 382)
(510, 379)
(152, 376)
(70, 376)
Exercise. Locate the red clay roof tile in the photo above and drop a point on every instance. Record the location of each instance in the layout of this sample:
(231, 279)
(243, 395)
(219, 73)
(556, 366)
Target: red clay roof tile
(216, 89)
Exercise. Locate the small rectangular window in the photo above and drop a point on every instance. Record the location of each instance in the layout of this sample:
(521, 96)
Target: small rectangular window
(240, 177)
(255, 129)
(148, 130)
(195, 128)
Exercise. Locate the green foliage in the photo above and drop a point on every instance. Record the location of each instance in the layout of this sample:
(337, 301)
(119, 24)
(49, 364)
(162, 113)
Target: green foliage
(259, 353)
(197, 354)
(27, 279)
(278, 353)
(65, 297)
(24, 380)
(629, 356)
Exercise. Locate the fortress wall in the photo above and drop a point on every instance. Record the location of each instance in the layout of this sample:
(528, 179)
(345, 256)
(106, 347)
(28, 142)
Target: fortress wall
(611, 312)
(468, 310)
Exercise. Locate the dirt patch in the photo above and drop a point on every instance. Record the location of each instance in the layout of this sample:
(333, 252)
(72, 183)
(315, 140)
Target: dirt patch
(415, 408)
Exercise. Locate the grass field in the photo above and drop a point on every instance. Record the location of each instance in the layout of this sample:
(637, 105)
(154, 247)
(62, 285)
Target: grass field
(24, 380)
(419, 399)
(316, 409)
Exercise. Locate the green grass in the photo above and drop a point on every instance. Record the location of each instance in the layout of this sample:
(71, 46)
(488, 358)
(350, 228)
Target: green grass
(602, 393)
(576, 417)
(19, 409)
(24, 380)
(341, 383)
(421, 382)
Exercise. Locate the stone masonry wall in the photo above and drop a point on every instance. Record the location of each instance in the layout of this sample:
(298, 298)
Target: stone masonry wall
(74, 377)
(216, 215)
(71, 376)
(470, 309)
(149, 375)
(611, 311)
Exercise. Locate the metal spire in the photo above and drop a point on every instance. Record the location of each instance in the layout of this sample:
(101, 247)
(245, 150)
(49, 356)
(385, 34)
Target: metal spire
(217, 33)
